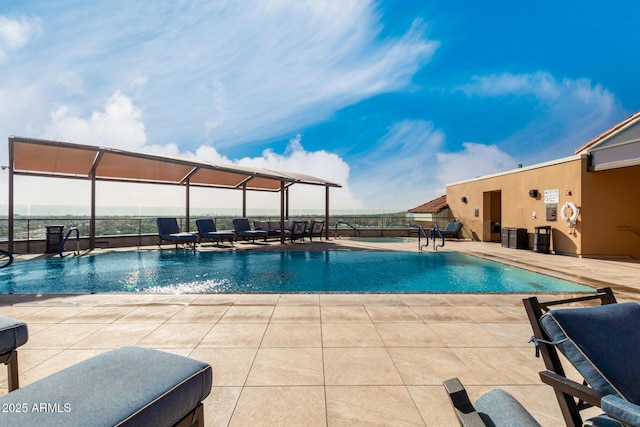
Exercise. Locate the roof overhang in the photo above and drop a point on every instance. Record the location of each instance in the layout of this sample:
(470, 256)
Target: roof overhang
(37, 157)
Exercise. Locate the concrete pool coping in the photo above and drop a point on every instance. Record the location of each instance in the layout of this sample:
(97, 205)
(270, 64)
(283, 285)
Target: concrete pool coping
(322, 359)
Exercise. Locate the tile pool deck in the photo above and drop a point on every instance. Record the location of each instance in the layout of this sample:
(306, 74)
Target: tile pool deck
(327, 359)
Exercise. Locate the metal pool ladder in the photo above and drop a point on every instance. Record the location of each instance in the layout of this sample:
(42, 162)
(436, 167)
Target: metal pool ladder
(64, 241)
(422, 232)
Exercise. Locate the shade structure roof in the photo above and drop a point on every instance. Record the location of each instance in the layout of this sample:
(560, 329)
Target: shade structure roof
(69, 160)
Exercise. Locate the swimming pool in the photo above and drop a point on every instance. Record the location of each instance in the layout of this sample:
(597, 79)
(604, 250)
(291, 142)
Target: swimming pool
(379, 239)
(274, 272)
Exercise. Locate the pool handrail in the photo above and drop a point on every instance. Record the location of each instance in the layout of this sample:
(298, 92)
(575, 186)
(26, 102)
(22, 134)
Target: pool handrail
(422, 232)
(435, 230)
(9, 255)
(64, 241)
(356, 232)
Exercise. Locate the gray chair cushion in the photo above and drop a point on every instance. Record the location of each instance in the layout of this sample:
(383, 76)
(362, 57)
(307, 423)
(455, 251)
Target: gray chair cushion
(13, 334)
(125, 387)
(603, 343)
(498, 408)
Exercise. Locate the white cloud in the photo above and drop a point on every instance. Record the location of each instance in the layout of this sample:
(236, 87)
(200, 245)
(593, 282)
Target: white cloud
(15, 33)
(119, 125)
(568, 112)
(224, 72)
(399, 170)
(474, 160)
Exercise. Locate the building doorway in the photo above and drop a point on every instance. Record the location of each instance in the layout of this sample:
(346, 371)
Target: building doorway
(492, 218)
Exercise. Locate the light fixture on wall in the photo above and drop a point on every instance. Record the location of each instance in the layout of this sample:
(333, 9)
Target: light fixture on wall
(464, 200)
(533, 193)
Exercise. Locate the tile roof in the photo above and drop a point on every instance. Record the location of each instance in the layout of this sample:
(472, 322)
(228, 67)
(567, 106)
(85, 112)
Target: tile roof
(433, 206)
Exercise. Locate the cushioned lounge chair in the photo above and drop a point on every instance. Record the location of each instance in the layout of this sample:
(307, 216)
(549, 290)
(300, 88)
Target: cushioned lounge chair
(169, 230)
(451, 230)
(315, 230)
(602, 342)
(496, 408)
(13, 334)
(207, 231)
(131, 386)
(272, 228)
(242, 229)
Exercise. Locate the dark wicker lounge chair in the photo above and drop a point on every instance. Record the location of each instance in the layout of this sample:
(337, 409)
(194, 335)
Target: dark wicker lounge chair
(315, 230)
(496, 408)
(169, 230)
(602, 342)
(207, 231)
(298, 230)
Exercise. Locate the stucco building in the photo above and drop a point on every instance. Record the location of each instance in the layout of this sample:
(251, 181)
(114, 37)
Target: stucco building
(602, 180)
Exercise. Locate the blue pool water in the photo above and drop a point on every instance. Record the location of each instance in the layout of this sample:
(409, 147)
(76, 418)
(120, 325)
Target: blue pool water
(277, 272)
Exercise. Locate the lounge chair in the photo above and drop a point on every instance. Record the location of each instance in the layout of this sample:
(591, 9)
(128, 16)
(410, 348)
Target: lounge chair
(271, 227)
(451, 230)
(207, 231)
(13, 334)
(242, 228)
(298, 230)
(169, 230)
(496, 408)
(315, 230)
(602, 342)
(131, 386)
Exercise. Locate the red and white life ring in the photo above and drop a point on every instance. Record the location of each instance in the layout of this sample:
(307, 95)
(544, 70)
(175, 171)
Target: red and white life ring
(574, 212)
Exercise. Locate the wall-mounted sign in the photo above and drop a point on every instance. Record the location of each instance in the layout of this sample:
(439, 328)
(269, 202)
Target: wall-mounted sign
(552, 196)
(552, 211)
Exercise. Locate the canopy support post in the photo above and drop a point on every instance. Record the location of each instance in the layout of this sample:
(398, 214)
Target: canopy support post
(326, 212)
(10, 222)
(282, 210)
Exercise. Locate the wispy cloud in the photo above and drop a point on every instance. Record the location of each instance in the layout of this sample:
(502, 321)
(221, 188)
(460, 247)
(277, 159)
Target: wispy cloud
(224, 72)
(15, 33)
(399, 170)
(568, 112)
(472, 161)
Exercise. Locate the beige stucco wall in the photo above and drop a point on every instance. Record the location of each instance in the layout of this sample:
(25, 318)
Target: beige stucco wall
(611, 199)
(513, 207)
(608, 200)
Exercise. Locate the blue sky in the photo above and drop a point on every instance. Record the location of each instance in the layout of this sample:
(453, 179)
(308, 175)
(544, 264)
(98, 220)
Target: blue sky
(392, 99)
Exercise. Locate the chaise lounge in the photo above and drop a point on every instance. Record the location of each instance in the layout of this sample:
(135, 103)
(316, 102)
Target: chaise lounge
(602, 342)
(242, 229)
(207, 231)
(169, 230)
(451, 230)
(13, 334)
(131, 386)
(315, 230)
(496, 408)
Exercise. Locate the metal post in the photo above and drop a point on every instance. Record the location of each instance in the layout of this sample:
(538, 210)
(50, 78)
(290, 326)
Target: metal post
(326, 212)
(187, 205)
(282, 209)
(244, 200)
(92, 220)
(10, 219)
